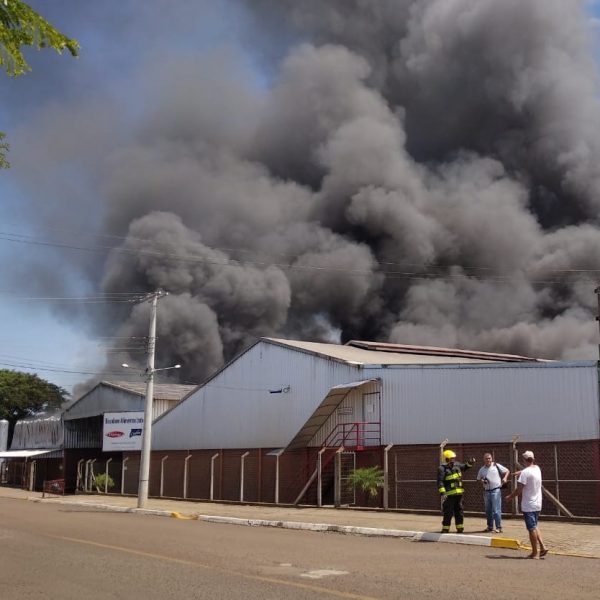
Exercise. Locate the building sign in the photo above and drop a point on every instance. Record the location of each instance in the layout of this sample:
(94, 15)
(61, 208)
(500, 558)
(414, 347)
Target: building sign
(122, 431)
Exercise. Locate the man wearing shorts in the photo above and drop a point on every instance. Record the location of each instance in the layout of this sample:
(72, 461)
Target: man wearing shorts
(529, 489)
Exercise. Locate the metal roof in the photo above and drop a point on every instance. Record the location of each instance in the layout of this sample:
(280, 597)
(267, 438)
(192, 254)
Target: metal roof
(334, 398)
(400, 355)
(162, 391)
(436, 351)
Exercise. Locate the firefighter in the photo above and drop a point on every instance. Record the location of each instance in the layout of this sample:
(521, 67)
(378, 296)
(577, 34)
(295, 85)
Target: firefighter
(451, 490)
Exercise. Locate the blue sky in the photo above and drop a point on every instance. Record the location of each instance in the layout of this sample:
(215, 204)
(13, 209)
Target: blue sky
(119, 40)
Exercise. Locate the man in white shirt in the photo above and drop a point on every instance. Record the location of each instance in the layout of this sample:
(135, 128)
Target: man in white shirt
(492, 475)
(529, 488)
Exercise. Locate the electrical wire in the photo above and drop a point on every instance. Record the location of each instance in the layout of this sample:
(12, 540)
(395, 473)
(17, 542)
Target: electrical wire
(419, 274)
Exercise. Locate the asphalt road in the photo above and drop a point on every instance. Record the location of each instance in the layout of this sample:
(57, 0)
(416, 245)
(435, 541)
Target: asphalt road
(57, 552)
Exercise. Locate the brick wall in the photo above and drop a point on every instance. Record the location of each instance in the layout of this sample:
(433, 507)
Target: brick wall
(412, 475)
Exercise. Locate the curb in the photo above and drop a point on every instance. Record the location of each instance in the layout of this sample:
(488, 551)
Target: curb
(416, 536)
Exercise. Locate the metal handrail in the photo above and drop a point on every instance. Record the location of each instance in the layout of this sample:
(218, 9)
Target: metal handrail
(353, 432)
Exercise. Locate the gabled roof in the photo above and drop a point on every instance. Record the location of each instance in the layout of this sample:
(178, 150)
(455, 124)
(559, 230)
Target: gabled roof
(375, 353)
(162, 391)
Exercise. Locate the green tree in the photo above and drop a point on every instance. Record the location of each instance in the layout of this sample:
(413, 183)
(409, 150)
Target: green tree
(367, 479)
(23, 395)
(4, 164)
(21, 26)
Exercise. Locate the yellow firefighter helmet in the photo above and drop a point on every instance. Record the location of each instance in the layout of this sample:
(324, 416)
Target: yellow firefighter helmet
(449, 454)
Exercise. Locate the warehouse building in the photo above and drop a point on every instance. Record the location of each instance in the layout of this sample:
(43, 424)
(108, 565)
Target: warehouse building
(286, 421)
(68, 446)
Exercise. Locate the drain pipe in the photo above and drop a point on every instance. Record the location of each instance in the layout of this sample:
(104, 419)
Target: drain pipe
(243, 459)
(212, 475)
(162, 473)
(386, 476)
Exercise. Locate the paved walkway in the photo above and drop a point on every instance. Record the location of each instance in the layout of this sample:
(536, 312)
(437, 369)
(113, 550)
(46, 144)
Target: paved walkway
(578, 539)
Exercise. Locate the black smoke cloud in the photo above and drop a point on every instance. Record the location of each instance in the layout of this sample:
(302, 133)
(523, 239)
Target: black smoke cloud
(417, 171)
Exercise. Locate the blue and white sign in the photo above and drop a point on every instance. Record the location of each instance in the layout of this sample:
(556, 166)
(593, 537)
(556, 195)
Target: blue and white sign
(122, 431)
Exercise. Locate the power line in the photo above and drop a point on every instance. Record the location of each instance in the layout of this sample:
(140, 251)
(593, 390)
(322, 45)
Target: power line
(419, 274)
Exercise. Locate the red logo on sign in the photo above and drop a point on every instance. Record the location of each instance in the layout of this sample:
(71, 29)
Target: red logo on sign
(112, 434)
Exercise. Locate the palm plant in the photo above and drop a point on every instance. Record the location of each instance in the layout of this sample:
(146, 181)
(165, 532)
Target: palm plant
(103, 482)
(367, 479)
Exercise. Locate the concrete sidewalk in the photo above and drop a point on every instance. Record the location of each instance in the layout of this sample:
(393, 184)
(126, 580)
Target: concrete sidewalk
(578, 539)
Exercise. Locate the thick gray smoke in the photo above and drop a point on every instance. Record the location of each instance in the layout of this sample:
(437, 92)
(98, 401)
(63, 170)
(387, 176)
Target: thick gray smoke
(415, 171)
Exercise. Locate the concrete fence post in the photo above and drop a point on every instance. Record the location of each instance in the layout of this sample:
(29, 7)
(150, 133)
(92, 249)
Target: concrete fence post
(106, 475)
(162, 474)
(123, 469)
(243, 460)
(320, 477)
(386, 476)
(185, 475)
(212, 475)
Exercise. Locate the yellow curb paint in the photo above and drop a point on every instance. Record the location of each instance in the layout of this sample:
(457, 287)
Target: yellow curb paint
(177, 515)
(505, 543)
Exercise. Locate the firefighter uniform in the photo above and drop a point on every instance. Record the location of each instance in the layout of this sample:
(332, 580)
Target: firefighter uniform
(450, 487)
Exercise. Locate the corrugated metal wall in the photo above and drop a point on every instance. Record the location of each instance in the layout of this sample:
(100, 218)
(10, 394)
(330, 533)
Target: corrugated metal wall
(44, 432)
(472, 404)
(237, 410)
(84, 433)
(420, 404)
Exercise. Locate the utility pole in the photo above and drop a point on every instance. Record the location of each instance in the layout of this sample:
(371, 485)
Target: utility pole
(149, 373)
(147, 433)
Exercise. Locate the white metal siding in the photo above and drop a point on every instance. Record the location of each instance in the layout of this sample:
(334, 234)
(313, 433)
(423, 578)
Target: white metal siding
(542, 402)
(161, 406)
(236, 410)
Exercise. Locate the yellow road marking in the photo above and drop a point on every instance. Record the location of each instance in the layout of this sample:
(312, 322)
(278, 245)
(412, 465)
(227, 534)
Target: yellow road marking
(182, 561)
